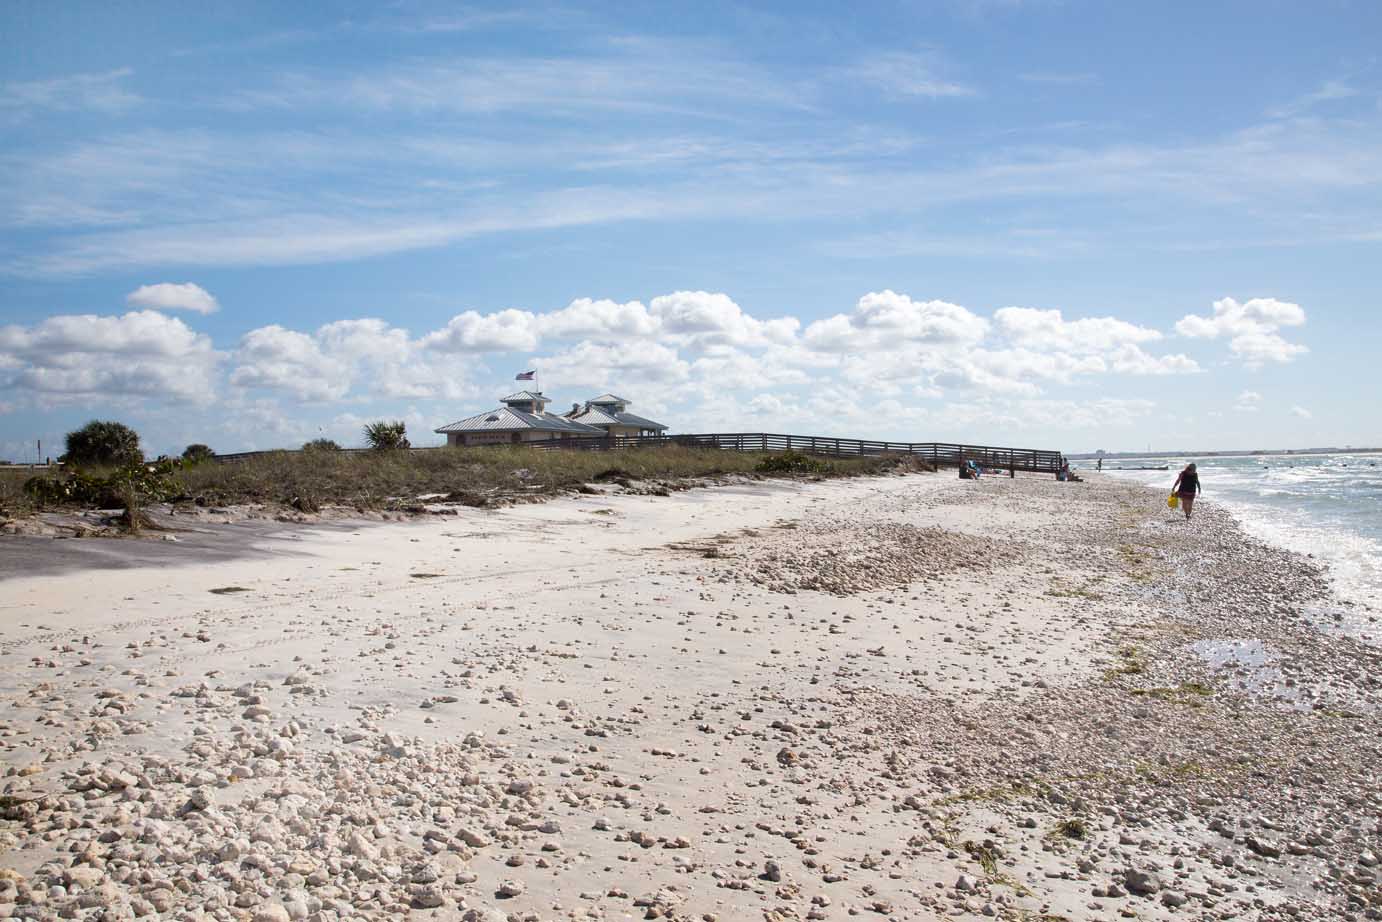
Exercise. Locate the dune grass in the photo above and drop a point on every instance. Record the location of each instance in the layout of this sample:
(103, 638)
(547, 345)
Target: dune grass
(371, 480)
(475, 476)
(394, 479)
(12, 496)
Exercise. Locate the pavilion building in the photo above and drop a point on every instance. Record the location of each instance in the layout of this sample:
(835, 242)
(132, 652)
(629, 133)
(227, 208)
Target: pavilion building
(522, 418)
(611, 415)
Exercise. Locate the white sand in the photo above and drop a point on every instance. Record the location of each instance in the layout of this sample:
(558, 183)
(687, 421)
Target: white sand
(730, 724)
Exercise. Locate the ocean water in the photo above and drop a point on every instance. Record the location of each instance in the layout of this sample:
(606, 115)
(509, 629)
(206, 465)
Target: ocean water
(1326, 505)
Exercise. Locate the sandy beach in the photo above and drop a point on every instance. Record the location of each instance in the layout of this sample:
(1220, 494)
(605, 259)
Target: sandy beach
(905, 697)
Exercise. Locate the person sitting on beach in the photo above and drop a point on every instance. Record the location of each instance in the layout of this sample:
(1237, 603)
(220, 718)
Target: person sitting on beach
(1187, 487)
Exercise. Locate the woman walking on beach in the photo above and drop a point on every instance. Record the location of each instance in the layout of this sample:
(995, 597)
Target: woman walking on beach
(1187, 487)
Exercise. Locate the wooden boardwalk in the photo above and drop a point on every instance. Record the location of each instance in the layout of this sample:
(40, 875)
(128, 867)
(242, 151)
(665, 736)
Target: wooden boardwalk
(941, 454)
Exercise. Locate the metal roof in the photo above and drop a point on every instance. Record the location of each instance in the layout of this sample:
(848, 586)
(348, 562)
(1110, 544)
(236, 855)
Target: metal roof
(607, 398)
(523, 397)
(507, 419)
(593, 416)
(642, 422)
(596, 416)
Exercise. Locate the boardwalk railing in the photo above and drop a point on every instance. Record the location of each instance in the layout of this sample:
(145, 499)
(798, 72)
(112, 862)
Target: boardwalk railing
(941, 454)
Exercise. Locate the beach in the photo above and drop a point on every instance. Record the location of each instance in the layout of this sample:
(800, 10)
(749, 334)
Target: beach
(904, 697)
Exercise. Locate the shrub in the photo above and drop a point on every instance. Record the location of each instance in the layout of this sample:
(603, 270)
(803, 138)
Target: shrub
(197, 452)
(103, 443)
(321, 445)
(792, 462)
(131, 486)
(383, 436)
(72, 488)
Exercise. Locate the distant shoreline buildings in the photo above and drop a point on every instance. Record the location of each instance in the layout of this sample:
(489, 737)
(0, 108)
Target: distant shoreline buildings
(524, 417)
(1241, 453)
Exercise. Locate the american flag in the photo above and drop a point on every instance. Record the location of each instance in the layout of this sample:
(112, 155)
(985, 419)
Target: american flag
(525, 376)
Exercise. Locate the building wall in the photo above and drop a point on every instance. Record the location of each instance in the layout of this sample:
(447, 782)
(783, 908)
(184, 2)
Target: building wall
(455, 439)
(506, 437)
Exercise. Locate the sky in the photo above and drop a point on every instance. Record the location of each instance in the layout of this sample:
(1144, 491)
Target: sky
(1060, 225)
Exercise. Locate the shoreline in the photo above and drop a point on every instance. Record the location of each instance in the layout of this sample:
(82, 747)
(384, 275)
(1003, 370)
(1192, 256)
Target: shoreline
(905, 696)
(1310, 518)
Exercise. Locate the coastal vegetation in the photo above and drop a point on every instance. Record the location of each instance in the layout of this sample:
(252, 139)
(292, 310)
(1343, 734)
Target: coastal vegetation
(103, 442)
(791, 462)
(197, 452)
(383, 435)
(475, 476)
(322, 475)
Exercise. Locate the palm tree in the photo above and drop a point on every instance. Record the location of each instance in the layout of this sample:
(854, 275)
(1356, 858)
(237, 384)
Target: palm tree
(382, 435)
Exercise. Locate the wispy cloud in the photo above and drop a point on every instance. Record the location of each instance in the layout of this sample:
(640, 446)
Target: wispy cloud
(267, 40)
(103, 92)
(469, 20)
(634, 74)
(1331, 91)
(686, 130)
(397, 22)
(907, 74)
(206, 199)
(1011, 242)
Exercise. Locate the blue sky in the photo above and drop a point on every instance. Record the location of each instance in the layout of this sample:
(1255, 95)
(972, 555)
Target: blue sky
(1067, 225)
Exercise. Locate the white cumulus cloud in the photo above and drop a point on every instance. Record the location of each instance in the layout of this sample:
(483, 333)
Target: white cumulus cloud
(1248, 402)
(603, 367)
(274, 358)
(888, 366)
(172, 296)
(600, 319)
(712, 318)
(1251, 328)
(1132, 360)
(883, 320)
(503, 331)
(84, 357)
(357, 359)
(1048, 330)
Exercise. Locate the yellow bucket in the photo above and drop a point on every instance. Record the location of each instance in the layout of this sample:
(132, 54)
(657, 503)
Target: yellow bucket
(1173, 501)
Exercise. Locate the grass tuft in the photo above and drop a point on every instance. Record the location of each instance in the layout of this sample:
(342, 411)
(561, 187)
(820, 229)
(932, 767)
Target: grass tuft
(1131, 665)
(1074, 828)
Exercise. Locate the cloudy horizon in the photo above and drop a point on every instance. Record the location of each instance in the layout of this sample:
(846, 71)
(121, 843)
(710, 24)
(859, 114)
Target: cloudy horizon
(259, 227)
